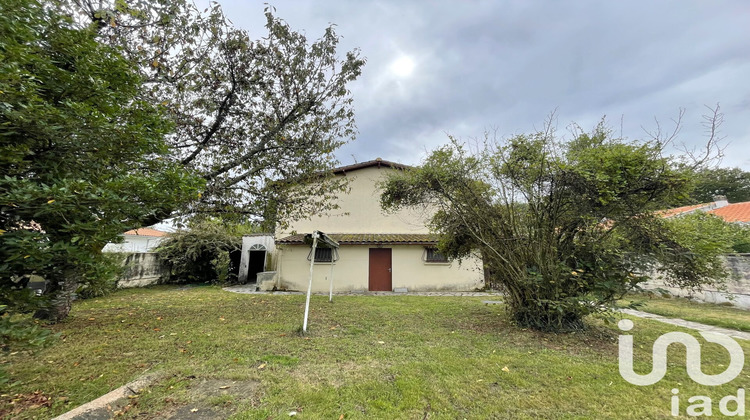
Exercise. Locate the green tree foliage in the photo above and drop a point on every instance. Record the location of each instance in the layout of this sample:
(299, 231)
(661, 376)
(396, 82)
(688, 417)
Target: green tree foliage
(707, 234)
(20, 333)
(82, 159)
(247, 113)
(202, 252)
(565, 228)
(733, 183)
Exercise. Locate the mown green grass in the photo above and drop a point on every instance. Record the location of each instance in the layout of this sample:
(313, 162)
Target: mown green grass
(389, 357)
(706, 313)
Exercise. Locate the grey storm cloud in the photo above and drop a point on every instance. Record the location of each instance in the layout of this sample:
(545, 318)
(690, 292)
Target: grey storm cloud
(506, 65)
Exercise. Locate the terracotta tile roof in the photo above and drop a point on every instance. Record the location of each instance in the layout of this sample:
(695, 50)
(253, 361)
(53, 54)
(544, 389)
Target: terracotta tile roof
(146, 232)
(680, 210)
(369, 238)
(737, 212)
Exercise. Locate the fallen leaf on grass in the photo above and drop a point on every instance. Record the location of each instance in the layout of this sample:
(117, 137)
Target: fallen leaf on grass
(262, 365)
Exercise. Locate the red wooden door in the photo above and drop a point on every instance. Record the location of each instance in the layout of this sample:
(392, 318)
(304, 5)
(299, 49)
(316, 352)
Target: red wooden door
(380, 269)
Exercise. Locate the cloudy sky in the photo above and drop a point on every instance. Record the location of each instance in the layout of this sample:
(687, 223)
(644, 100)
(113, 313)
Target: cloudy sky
(464, 67)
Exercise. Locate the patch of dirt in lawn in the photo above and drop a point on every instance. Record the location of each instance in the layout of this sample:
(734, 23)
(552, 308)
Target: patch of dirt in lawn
(200, 399)
(212, 399)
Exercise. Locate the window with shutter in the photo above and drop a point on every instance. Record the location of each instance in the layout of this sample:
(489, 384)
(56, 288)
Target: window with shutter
(434, 256)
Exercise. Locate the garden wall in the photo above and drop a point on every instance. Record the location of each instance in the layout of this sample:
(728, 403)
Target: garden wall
(143, 269)
(737, 287)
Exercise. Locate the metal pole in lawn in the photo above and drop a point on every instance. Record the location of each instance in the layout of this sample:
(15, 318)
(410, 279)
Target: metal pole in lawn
(309, 284)
(330, 289)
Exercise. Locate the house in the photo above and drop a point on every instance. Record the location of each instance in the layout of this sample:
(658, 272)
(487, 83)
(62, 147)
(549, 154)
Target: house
(730, 212)
(137, 240)
(378, 251)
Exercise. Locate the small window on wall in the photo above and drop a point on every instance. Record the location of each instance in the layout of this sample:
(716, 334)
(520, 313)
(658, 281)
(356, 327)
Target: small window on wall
(432, 255)
(324, 255)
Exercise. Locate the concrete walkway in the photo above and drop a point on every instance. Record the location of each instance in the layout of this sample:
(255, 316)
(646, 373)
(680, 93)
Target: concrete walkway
(688, 324)
(250, 289)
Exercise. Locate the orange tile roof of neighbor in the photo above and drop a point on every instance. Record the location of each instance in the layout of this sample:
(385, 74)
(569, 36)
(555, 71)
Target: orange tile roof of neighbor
(146, 232)
(737, 212)
(680, 210)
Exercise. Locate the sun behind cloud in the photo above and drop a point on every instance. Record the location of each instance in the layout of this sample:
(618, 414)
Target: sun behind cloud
(403, 66)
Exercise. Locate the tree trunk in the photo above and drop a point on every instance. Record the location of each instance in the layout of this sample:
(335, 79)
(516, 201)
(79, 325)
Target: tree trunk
(59, 306)
(544, 317)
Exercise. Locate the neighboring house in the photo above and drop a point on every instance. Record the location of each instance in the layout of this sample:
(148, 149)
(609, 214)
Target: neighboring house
(732, 213)
(378, 252)
(137, 240)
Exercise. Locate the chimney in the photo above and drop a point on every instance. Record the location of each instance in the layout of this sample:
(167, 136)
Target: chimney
(720, 201)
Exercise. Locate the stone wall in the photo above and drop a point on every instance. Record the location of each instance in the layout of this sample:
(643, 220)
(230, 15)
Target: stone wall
(143, 269)
(737, 287)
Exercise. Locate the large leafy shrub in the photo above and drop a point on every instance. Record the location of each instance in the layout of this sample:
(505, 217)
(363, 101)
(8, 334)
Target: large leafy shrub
(564, 227)
(201, 253)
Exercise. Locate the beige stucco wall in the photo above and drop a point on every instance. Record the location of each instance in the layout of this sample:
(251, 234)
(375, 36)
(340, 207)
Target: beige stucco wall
(352, 269)
(359, 211)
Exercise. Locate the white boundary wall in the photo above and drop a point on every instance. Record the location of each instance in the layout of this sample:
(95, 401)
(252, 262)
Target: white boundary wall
(737, 287)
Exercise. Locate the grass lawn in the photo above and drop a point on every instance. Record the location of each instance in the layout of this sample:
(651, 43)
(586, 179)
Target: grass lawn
(389, 357)
(707, 313)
